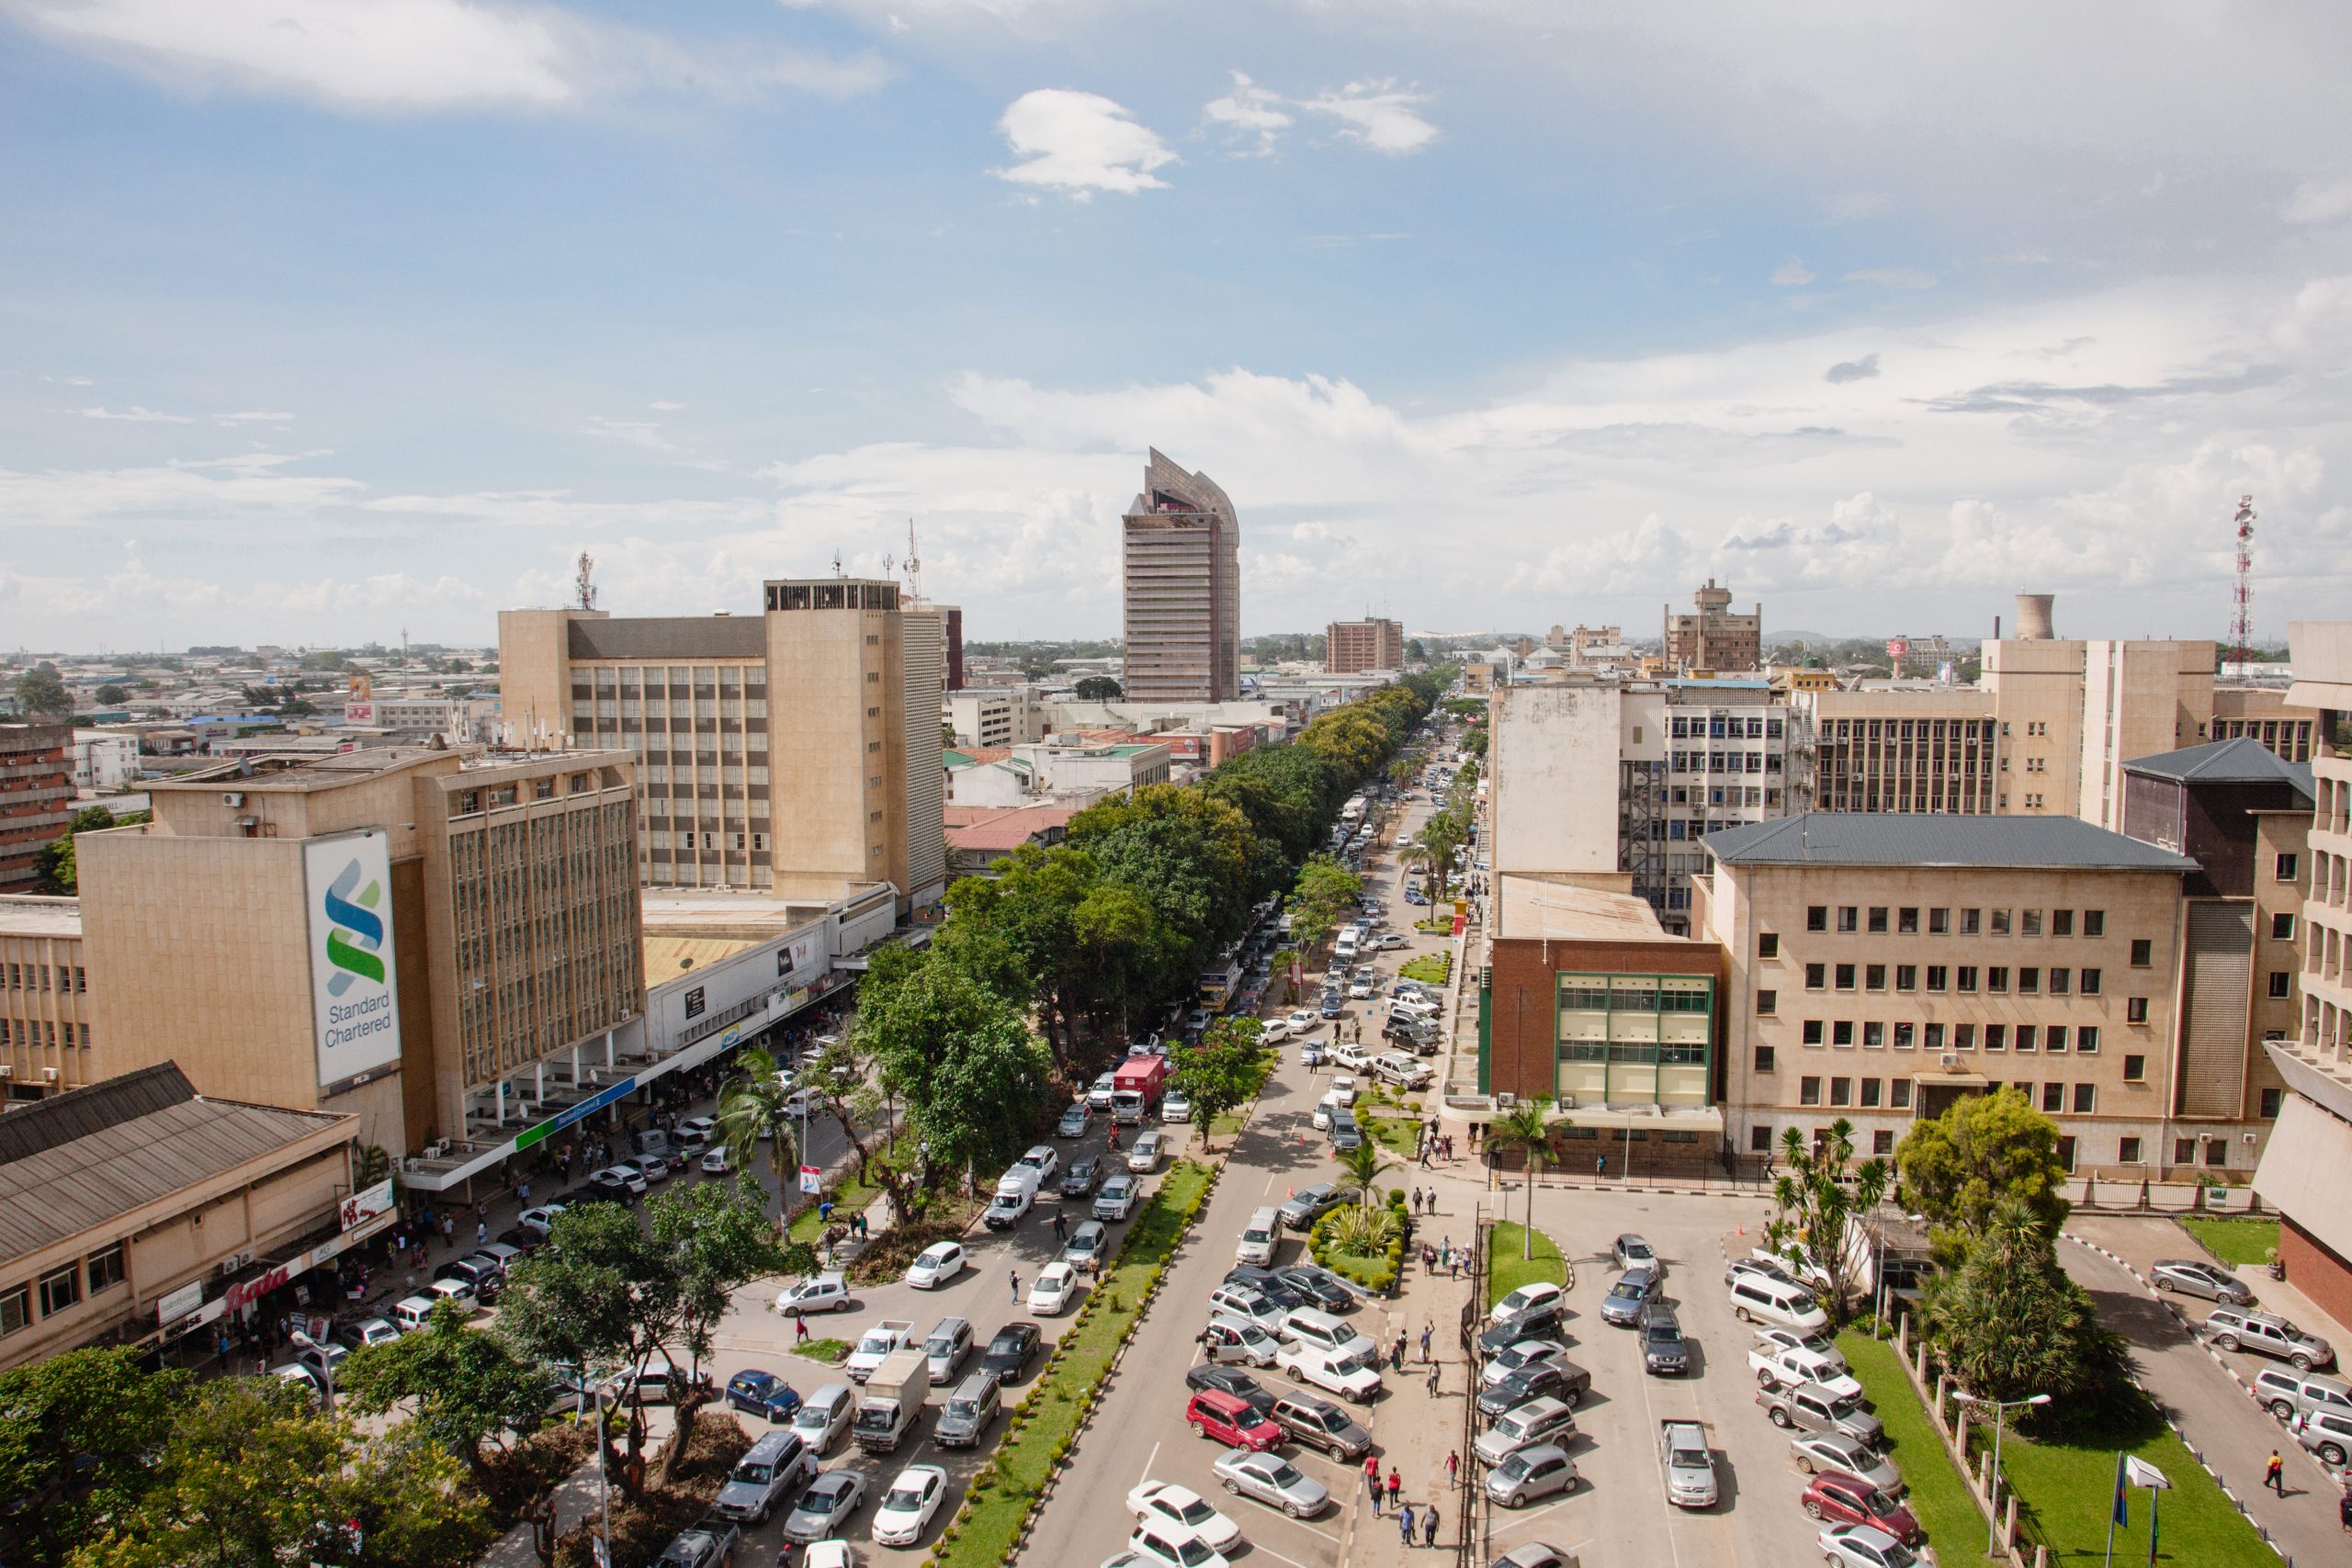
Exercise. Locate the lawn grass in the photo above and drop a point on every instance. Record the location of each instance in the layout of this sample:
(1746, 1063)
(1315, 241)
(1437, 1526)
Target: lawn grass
(1938, 1497)
(1398, 1135)
(1039, 1433)
(2065, 1490)
(1431, 968)
(850, 1197)
(2237, 1243)
(831, 1352)
(1507, 1270)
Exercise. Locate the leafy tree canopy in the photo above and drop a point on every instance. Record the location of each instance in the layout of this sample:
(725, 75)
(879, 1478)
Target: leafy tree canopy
(471, 1390)
(1984, 1151)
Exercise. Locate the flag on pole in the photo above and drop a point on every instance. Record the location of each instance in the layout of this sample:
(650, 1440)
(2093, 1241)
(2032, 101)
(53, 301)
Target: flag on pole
(2142, 1474)
(2122, 1515)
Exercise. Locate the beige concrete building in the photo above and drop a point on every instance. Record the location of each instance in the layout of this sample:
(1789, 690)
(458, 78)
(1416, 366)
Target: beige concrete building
(36, 797)
(856, 668)
(1879, 966)
(2263, 714)
(133, 1210)
(1937, 751)
(44, 997)
(1180, 571)
(385, 934)
(1711, 638)
(1353, 647)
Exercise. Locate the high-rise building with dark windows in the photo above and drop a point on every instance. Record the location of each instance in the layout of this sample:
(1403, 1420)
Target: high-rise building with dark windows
(1182, 568)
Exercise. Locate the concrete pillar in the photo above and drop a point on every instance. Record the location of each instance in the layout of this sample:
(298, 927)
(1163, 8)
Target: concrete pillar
(502, 1102)
(608, 1048)
(2009, 1522)
(539, 1082)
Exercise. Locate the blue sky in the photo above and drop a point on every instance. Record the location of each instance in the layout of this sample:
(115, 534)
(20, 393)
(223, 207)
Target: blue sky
(320, 319)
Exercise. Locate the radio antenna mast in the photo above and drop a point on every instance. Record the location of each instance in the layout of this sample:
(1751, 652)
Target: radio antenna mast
(2241, 592)
(914, 566)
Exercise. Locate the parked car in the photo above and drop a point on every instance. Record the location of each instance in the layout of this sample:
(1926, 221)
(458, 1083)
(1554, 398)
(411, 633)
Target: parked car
(763, 1394)
(1529, 1473)
(1268, 1283)
(541, 1219)
(1304, 1021)
(1229, 1419)
(774, 1469)
(1820, 1344)
(1273, 1481)
(1088, 1244)
(654, 1168)
(1144, 1159)
(1544, 1420)
(825, 1415)
(1627, 1299)
(1562, 1381)
(1527, 1298)
(1317, 1422)
(1319, 1286)
(1511, 1358)
(1009, 1354)
(1349, 1375)
(1814, 1409)
(906, 1509)
(2194, 1276)
(1665, 1352)
(1863, 1546)
(818, 1293)
(1167, 1504)
(715, 1161)
(973, 1404)
(825, 1506)
(2289, 1393)
(1247, 1304)
(1163, 1545)
(1345, 1134)
(1847, 1499)
(1230, 1338)
(1273, 1031)
(1085, 1175)
(710, 1544)
(2234, 1328)
(1815, 1452)
(1230, 1380)
(2327, 1433)
(1117, 1199)
(1076, 1122)
(936, 1265)
(1792, 1365)
(621, 1181)
(1632, 1252)
(1053, 1290)
(1175, 1108)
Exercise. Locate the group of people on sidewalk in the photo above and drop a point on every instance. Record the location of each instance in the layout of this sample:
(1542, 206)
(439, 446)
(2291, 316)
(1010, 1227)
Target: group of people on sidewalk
(1408, 1518)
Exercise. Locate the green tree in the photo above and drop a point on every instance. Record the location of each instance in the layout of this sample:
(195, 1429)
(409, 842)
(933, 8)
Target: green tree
(111, 696)
(1474, 740)
(1097, 689)
(1363, 1164)
(74, 1433)
(716, 1240)
(2010, 1323)
(1984, 1151)
(1414, 650)
(1325, 894)
(57, 869)
(1818, 1200)
(959, 1054)
(752, 1105)
(469, 1390)
(1526, 1127)
(1225, 1069)
(40, 695)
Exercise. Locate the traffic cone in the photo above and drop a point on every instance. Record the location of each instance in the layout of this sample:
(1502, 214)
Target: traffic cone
(1742, 1227)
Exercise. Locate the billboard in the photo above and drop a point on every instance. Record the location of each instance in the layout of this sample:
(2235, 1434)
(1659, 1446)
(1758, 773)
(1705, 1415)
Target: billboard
(355, 1011)
(359, 706)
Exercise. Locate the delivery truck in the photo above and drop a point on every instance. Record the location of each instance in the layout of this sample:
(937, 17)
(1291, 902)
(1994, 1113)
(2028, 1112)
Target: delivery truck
(892, 1400)
(1137, 1087)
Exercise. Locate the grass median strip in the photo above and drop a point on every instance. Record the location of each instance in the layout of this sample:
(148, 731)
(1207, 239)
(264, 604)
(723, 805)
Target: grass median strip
(1039, 1433)
(1508, 1270)
(1938, 1497)
(2065, 1489)
(2238, 1242)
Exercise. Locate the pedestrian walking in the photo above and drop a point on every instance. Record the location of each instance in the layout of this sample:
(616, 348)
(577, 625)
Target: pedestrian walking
(2344, 1509)
(1395, 1485)
(1404, 1523)
(1372, 1475)
(1432, 1380)
(1396, 1355)
(1061, 1227)
(1015, 1275)
(522, 1194)
(482, 1232)
(1600, 1165)
(449, 1228)
(1428, 1524)
(1427, 1333)
(800, 1328)
(2274, 1474)
(1452, 1468)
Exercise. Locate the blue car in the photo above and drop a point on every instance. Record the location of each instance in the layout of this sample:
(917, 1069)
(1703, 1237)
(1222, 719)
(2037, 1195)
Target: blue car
(763, 1394)
(1334, 1006)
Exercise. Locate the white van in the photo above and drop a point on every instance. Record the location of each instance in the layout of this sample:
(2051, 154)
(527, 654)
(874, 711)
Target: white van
(1307, 1325)
(1015, 1191)
(1260, 1238)
(1758, 1298)
(1345, 948)
(407, 1315)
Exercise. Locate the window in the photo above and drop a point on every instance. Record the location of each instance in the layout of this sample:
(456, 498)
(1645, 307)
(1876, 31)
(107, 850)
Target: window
(2000, 922)
(1996, 1037)
(2028, 981)
(1767, 1003)
(1907, 977)
(1935, 1041)
(2094, 922)
(1845, 976)
(2029, 922)
(1873, 1035)
(1870, 1094)
(1808, 1091)
(1882, 1142)
(1842, 1032)
(2270, 1104)
(2282, 983)
(2127, 1152)
(2090, 982)
(1768, 944)
(1874, 977)
(1816, 976)
(1898, 1094)
(2135, 1010)
(2135, 1069)
(1841, 1091)
(2217, 1153)
(1963, 1037)
(2028, 1035)
(1968, 923)
(1813, 1032)
(2143, 953)
(2282, 927)
(2285, 868)
(107, 1269)
(2087, 1038)
(1940, 922)
(2062, 922)
(1904, 1037)
(1997, 979)
(2066, 1154)
(1878, 919)
(16, 1309)
(1966, 980)
(1849, 917)
(2184, 1151)
(1906, 920)
(2053, 1098)
(1764, 1063)
(1938, 976)
(60, 1290)
(1816, 918)
(1760, 1140)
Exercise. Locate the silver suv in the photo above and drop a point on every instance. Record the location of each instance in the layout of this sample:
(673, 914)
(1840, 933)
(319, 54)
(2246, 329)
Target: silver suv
(2270, 1335)
(2289, 1394)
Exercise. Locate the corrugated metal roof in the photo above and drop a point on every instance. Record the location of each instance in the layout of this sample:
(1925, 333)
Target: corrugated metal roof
(77, 1185)
(94, 1108)
(1858, 837)
(671, 636)
(2239, 760)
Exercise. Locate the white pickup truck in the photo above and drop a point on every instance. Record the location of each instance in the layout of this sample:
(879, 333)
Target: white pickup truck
(1778, 1366)
(875, 1346)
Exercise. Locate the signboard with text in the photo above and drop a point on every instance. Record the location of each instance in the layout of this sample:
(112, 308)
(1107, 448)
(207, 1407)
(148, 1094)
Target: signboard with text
(365, 1205)
(353, 1004)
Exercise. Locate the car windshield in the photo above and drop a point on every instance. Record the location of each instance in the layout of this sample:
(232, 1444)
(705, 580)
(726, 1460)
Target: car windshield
(963, 1407)
(1514, 1467)
(874, 1345)
(1899, 1557)
(1689, 1459)
(904, 1497)
(1192, 1552)
(826, 1493)
(1878, 1503)
(1627, 1287)
(1192, 1513)
(1004, 1345)
(939, 1346)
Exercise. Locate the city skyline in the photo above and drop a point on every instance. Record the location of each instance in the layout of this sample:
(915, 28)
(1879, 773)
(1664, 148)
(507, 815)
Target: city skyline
(313, 340)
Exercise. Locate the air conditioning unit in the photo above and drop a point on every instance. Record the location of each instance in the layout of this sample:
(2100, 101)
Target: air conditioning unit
(232, 799)
(49, 1074)
(2246, 1137)
(1950, 1059)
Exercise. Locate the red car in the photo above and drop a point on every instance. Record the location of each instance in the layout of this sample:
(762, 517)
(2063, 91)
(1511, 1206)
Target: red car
(1844, 1499)
(1231, 1421)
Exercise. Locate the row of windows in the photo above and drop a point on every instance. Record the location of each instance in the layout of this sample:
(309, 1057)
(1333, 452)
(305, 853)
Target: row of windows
(1722, 762)
(1940, 977)
(1724, 727)
(1875, 1033)
(36, 977)
(1905, 919)
(2057, 1098)
(1762, 1140)
(63, 1288)
(41, 1034)
(1906, 728)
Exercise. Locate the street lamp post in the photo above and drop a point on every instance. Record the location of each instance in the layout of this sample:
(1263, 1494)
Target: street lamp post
(1999, 1407)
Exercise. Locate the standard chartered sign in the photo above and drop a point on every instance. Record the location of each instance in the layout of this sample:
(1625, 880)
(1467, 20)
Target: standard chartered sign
(352, 1003)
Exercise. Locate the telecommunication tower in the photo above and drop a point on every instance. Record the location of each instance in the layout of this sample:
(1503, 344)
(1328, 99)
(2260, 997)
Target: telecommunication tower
(914, 567)
(2242, 591)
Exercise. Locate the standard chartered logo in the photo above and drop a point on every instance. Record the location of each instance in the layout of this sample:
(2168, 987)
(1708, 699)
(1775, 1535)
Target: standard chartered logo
(355, 931)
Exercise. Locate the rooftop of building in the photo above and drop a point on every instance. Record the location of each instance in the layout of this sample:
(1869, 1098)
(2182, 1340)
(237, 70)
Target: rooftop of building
(74, 1161)
(973, 756)
(35, 915)
(2238, 761)
(297, 773)
(667, 636)
(683, 908)
(989, 829)
(1915, 838)
(1531, 906)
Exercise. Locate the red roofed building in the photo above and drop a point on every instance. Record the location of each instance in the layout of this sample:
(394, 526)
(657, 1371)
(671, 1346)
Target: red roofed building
(979, 836)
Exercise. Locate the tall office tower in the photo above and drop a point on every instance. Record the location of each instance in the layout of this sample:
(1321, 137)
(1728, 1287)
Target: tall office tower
(1181, 561)
(36, 797)
(852, 675)
(1712, 638)
(1349, 648)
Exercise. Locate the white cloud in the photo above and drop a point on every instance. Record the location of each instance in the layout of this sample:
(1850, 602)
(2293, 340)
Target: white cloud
(1863, 369)
(134, 415)
(1894, 277)
(379, 55)
(1791, 274)
(2319, 201)
(663, 406)
(252, 416)
(1078, 143)
(1379, 115)
(1251, 115)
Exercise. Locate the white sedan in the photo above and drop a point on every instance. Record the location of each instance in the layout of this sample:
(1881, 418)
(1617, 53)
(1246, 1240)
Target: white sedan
(540, 1220)
(828, 1554)
(1165, 1503)
(940, 1262)
(1274, 1032)
(1341, 1089)
(1055, 1284)
(1306, 1020)
(907, 1506)
(714, 1163)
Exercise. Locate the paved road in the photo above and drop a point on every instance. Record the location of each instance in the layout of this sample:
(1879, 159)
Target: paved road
(2217, 1417)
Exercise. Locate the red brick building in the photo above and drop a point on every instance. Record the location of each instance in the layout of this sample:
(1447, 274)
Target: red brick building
(36, 797)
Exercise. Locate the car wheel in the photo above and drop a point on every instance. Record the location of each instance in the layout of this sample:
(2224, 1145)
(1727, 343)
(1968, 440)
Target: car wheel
(1296, 1510)
(1741, 1313)
(2283, 1408)
(2300, 1361)
(1516, 1500)
(1805, 1464)
(2330, 1452)
(1199, 1431)
(1780, 1418)
(1812, 1507)
(1229, 1487)
(1764, 1376)
(2226, 1341)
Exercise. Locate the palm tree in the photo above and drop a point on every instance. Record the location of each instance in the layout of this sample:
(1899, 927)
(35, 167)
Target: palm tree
(752, 1105)
(1527, 1128)
(1362, 1165)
